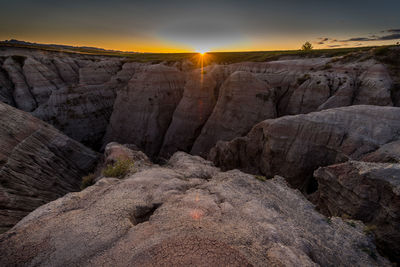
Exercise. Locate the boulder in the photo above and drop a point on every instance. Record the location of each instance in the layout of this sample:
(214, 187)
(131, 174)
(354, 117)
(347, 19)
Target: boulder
(369, 192)
(389, 152)
(176, 216)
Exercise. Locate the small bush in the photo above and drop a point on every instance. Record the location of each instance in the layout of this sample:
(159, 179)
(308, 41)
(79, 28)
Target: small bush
(87, 180)
(369, 252)
(369, 229)
(118, 169)
(346, 216)
(260, 178)
(351, 223)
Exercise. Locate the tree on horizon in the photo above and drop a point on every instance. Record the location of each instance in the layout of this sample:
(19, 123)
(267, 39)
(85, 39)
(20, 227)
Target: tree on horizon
(307, 46)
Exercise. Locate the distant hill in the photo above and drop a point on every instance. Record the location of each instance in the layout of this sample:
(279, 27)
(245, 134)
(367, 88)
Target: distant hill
(14, 42)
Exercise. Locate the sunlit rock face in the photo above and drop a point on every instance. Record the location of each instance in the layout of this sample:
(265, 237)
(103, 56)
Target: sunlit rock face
(37, 164)
(186, 213)
(294, 146)
(199, 97)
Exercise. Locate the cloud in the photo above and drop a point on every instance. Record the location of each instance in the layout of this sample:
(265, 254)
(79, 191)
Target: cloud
(357, 39)
(391, 34)
(394, 30)
(322, 40)
(394, 36)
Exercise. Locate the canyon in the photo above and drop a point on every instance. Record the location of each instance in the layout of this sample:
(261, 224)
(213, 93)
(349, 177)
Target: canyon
(282, 156)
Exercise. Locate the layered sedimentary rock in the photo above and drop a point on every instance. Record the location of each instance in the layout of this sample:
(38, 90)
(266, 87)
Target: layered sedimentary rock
(82, 111)
(37, 164)
(389, 152)
(243, 101)
(143, 110)
(294, 146)
(186, 213)
(286, 86)
(199, 97)
(76, 93)
(306, 85)
(369, 192)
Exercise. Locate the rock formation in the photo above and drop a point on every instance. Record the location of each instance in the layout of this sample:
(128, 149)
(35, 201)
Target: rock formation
(186, 213)
(37, 164)
(195, 107)
(294, 146)
(287, 117)
(369, 192)
(143, 110)
(243, 101)
(76, 94)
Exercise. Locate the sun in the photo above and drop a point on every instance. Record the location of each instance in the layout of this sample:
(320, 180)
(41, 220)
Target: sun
(201, 51)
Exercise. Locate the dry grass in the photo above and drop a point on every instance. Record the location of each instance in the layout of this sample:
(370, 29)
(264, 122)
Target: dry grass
(260, 178)
(87, 180)
(119, 169)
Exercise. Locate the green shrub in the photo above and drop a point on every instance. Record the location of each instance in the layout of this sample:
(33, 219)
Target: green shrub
(87, 180)
(260, 178)
(369, 252)
(119, 168)
(351, 223)
(369, 229)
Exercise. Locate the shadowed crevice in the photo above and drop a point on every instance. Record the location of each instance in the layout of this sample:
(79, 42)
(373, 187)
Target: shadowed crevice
(143, 213)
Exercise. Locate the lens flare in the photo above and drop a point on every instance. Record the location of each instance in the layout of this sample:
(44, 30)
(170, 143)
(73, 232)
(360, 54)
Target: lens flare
(202, 52)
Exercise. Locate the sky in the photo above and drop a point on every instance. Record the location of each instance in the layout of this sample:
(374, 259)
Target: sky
(187, 26)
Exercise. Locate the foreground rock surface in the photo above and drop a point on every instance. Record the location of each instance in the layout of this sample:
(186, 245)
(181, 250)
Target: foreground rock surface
(364, 191)
(37, 164)
(295, 146)
(185, 213)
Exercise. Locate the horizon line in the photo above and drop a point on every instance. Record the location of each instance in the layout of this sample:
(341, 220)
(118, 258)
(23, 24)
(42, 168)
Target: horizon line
(55, 45)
